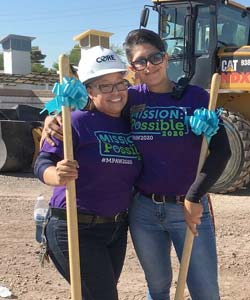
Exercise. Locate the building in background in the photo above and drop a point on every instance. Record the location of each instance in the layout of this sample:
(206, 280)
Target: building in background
(92, 37)
(16, 54)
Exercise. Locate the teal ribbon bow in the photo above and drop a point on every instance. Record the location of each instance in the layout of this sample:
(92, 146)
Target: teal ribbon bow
(205, 122)
(71, 93)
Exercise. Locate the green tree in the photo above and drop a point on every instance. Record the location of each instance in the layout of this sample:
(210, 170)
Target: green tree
(1, 61)
(75, 55)
(38, 68)
(37, 56)
(55, 66)
(37, 60)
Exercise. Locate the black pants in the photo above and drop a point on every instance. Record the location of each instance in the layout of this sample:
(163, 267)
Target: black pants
(102, 254)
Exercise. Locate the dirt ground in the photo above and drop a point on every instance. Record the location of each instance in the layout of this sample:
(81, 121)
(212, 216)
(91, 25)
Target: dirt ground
(21, 274)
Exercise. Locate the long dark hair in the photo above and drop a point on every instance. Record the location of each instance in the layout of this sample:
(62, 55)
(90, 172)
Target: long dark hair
(142, 36)
(90, 105)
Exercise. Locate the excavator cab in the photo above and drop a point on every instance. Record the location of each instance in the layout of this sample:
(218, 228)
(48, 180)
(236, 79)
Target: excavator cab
(194, 31)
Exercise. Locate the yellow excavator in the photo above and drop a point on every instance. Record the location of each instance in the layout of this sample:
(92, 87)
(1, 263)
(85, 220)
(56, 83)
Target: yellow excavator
(204, 37)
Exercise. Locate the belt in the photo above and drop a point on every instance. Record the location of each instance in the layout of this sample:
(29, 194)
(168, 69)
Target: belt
(159, 199)
(90, 218)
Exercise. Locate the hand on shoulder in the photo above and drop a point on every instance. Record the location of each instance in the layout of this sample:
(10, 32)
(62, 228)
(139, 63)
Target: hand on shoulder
(52, 128)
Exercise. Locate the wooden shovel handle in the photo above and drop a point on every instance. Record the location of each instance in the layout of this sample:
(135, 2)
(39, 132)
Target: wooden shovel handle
(71, 207)
(188, 244)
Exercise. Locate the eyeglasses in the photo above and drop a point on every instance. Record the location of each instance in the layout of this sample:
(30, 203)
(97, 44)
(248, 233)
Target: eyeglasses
(154, 59)
(108, 88)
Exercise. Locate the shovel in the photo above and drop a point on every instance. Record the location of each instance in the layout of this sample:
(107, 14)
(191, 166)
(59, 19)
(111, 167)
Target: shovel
(188, 244)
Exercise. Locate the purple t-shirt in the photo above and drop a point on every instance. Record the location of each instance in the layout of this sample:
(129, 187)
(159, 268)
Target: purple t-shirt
(170, 151)
(109, 163)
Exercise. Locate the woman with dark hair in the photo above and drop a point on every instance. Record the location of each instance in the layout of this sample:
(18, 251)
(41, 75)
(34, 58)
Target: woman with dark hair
(168, 194)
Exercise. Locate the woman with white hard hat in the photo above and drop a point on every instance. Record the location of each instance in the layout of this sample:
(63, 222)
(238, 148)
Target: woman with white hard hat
(105, 168)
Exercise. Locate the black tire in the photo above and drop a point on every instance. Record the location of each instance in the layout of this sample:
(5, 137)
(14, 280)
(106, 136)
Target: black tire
(237, 171)
(16, 145)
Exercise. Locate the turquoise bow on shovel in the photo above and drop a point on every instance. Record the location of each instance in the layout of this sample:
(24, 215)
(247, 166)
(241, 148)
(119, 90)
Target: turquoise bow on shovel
(205, 122)
(71, 93)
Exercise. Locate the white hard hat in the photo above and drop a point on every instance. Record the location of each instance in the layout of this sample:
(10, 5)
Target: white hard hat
(98, 61)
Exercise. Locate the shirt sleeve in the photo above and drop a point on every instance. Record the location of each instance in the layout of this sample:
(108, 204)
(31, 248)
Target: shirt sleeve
(43, 161)
(214, 165)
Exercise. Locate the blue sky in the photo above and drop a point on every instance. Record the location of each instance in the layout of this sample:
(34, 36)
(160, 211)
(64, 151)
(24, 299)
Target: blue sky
(54, 23)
